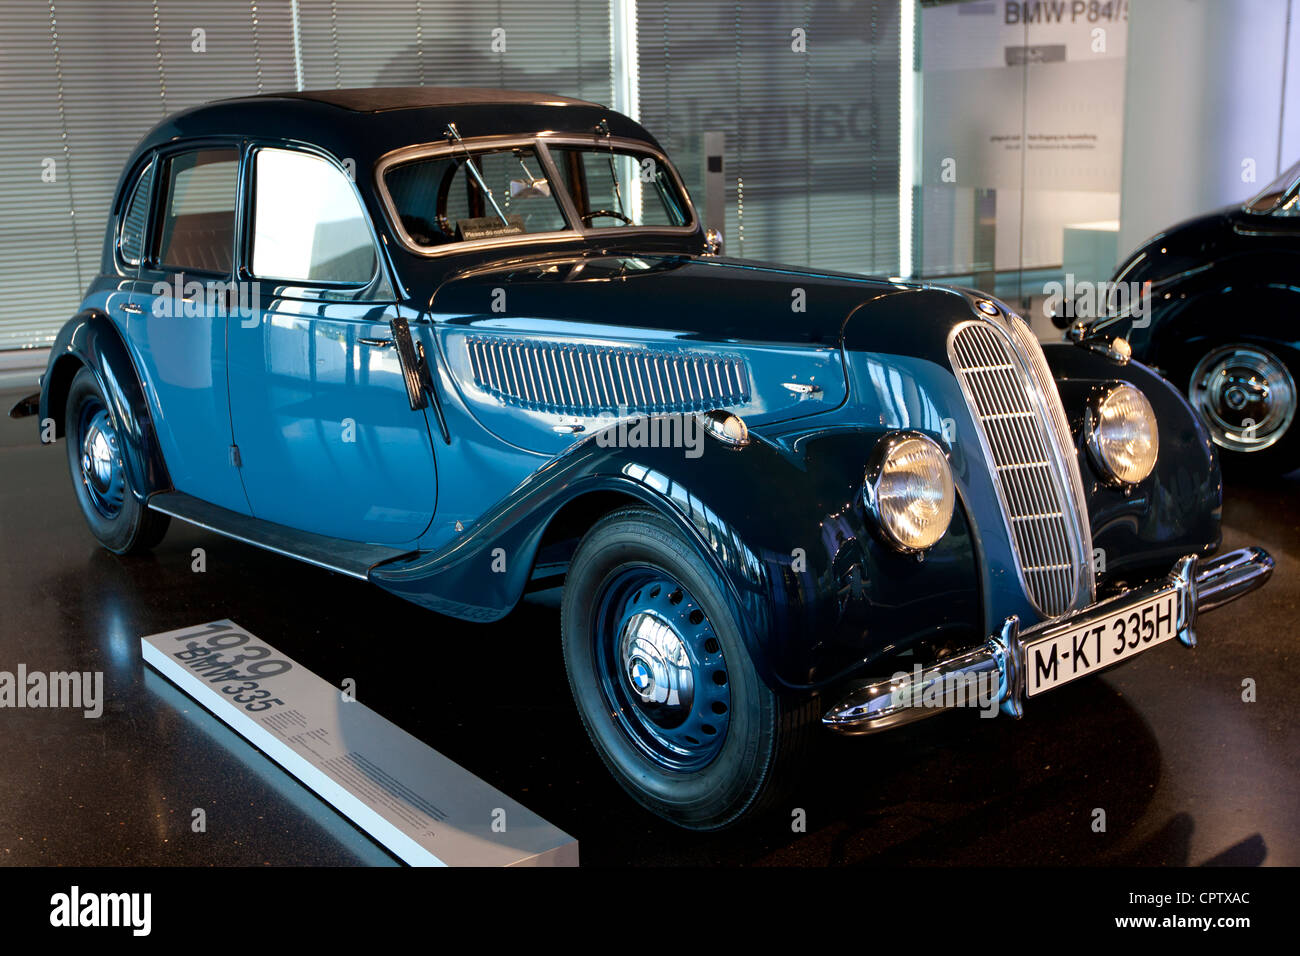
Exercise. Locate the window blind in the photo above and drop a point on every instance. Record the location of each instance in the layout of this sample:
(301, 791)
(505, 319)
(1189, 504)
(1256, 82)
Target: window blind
(811, 161)
(83, 81)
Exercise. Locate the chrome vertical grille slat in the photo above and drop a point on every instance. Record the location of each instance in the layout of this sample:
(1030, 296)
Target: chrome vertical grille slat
(1020, 418)
(586, 379)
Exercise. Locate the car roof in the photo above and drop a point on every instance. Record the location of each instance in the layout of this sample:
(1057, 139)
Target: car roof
(376, 99)
(364, 124)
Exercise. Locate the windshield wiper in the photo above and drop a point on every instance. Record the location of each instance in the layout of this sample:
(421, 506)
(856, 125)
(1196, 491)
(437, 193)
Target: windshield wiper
(454, 133)
(602, 128)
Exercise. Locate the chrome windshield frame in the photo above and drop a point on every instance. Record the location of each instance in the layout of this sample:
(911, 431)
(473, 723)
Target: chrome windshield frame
(539, 143)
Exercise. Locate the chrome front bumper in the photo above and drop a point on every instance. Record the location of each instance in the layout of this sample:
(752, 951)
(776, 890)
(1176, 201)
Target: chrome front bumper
(1198, 586)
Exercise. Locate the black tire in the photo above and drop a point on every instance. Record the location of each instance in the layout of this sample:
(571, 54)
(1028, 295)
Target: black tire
(1282, 453)
(765, 736)
(116, 517)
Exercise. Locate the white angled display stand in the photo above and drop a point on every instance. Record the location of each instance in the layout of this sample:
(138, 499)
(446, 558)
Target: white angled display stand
(424, 808)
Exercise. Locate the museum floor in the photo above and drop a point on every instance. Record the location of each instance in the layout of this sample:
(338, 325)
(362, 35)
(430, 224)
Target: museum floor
(1186, 772)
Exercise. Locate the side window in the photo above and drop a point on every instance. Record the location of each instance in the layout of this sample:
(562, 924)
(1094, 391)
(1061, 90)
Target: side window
(308, 225)
(137, 215)
(197, 232)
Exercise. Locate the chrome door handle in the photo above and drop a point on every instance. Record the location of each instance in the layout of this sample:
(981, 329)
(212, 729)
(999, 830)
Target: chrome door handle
(132, 309)
(377, 343)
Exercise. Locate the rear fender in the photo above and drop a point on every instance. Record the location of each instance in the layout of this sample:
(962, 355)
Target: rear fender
(91, 340)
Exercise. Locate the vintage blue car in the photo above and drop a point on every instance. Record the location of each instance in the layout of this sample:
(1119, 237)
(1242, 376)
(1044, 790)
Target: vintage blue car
(469, 343)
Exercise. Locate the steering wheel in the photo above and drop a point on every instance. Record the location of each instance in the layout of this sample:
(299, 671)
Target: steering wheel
(586, 217)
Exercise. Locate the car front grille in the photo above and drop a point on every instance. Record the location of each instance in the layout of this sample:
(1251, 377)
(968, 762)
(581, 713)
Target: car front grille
(1025, 439)
(587, 380)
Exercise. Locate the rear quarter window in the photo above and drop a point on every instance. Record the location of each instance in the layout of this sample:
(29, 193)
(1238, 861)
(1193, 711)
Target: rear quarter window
(197, 229)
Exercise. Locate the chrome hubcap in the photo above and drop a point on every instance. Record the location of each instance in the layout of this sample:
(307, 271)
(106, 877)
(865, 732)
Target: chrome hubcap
(1246, 395)
(656, 663)
(661, 668)
(102, 473)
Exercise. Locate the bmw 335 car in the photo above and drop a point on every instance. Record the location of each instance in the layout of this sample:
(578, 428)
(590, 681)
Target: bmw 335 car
(464, 344)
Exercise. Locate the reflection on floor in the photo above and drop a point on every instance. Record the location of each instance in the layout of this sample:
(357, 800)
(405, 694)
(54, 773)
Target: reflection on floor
(1186, 772)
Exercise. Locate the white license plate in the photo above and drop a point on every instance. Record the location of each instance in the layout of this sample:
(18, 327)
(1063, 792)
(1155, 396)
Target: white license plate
(1052, 661)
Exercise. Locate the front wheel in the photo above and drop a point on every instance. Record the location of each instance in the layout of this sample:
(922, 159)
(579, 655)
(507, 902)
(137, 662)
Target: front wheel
(116, 517)
(1247, 397)
(663, 681)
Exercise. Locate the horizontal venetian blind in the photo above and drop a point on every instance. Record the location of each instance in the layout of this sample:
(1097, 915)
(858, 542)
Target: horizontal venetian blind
(811, 158)
(550, 47)
(83, 81)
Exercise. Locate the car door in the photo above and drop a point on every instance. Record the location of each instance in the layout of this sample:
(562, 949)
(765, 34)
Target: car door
(175, 320)
(326, 436)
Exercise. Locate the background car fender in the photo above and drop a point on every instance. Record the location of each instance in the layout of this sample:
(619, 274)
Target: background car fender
(90, 339)
(1229, 311)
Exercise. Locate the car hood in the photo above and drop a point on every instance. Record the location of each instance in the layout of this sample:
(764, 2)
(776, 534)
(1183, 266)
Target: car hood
(690, 299)
(787, 331)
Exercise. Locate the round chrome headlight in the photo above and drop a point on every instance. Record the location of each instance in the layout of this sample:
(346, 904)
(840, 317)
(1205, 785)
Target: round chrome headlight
(909, 490)
(1123, 438)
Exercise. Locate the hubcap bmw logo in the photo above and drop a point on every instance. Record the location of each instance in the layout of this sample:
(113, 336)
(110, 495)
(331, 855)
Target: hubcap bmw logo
(641, 677)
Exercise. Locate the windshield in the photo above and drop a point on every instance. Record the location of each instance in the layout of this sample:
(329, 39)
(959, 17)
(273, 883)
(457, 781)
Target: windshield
(1276, 192)
(508, 191)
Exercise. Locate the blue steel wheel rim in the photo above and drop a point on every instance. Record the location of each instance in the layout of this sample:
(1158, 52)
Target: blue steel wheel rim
(100, 455)
(661, 669)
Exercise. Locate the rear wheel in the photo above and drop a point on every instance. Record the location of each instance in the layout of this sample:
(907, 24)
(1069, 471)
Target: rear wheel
(116, 517)
(664, 683)
(1246, 394)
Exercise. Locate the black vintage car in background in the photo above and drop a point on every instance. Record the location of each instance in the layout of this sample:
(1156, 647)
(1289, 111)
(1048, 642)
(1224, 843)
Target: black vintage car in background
(1222, 323)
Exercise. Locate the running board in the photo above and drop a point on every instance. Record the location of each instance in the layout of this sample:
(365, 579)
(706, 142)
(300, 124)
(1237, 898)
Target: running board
(353, 558)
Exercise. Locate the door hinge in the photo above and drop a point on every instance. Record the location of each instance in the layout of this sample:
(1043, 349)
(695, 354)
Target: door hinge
(235, 460)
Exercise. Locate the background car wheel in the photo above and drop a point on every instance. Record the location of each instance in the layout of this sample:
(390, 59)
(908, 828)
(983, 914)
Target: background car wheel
(1246, 395)
(664, 683)
(95, 458)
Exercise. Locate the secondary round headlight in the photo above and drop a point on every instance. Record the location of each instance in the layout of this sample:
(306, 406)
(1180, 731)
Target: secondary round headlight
(1123, 438)
(909, 490)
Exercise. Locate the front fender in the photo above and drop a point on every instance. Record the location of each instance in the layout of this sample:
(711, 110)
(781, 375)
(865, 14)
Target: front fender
(1177, 509)
(90, 339)
(780, 524)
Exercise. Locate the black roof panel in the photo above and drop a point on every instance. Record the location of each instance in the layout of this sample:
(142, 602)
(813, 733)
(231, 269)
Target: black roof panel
(377, 99)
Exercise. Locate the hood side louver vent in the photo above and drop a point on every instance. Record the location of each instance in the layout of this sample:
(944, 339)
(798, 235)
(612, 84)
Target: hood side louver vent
(589, 380)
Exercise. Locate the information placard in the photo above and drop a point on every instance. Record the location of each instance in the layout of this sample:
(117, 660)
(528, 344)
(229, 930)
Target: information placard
(424, 808)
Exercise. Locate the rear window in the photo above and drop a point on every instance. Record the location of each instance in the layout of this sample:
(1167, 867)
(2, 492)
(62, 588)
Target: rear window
(197, 232)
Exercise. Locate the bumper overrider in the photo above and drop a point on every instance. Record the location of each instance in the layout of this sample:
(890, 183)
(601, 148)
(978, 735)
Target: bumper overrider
(999, 666)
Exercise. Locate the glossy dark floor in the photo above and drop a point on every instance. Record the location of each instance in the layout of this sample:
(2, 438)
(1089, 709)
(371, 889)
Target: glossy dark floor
(1186, 772)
